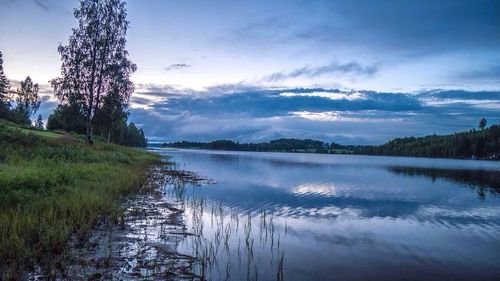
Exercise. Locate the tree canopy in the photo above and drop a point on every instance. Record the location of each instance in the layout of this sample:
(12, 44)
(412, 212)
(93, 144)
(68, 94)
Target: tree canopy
(39, 122)
(27, 102)
(282, 145)
(94, 87)
(474, 143)
(4, 91)
(482, 123)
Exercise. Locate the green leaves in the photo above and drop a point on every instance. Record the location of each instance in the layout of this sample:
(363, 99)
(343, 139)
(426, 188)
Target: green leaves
(95, 62)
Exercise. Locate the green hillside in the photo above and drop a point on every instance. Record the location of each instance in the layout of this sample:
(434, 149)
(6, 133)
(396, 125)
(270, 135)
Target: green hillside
(53, 186)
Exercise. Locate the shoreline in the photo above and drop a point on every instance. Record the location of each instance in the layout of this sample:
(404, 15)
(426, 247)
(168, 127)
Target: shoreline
(331, 153)
(432, 163)
(141, 244)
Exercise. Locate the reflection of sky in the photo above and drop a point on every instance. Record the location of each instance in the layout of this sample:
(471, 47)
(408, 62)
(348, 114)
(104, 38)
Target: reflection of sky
(315, 188)
(303, 184)
(353, 221)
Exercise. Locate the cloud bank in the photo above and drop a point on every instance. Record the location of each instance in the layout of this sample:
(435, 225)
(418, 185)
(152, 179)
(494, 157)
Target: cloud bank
(349, 117)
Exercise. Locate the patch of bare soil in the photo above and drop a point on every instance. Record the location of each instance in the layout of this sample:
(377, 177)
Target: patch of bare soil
(66, 137)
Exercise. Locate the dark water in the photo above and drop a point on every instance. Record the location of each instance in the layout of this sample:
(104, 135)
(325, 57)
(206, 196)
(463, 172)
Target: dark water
(280, 216)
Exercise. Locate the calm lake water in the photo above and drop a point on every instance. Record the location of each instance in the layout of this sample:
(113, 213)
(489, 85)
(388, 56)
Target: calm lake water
(282, 216)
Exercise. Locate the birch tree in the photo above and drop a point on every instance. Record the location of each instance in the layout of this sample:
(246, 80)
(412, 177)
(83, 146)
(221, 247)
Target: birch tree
(93, 56)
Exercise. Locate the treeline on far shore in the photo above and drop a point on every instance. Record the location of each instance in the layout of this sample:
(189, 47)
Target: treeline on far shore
(480, 144)
(474, 144)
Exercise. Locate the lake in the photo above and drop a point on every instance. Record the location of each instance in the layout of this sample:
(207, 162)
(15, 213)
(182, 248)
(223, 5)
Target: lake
(291, 216)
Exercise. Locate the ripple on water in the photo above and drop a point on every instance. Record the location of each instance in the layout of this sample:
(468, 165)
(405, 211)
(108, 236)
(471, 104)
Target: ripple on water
(354, 218)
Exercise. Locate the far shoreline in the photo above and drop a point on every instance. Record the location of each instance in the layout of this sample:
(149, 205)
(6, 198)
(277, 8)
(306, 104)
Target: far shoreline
(474, 144)
(483, 163)
(152, 146)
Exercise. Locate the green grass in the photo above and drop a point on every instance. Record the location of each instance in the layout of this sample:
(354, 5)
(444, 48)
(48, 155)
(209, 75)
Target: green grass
(46, 134)
(52, 188)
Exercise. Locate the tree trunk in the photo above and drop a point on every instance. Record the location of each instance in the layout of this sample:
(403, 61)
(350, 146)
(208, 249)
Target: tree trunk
(88, 137)
(109, 135)
(88, 133)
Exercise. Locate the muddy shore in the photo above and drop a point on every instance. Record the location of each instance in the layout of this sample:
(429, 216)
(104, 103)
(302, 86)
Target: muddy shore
(140, 245)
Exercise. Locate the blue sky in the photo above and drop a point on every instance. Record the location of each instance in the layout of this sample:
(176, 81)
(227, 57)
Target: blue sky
(256, 70)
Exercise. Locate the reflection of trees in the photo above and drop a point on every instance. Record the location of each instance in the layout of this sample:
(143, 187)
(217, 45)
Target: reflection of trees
(482, 181)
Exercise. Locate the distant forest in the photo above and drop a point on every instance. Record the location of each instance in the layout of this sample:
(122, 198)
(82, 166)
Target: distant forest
(473, 144)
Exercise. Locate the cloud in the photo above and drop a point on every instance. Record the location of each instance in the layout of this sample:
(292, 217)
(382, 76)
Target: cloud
(252, 114)
(42, 4)
(417, 30)
(350, 117)
(334, 95)
(177, 66)
(46, 107)
(330, 116)
(387, 30)
(488, 73)
(347, 69)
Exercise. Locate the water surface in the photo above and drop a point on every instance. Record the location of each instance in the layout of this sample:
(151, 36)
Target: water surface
(283, 216)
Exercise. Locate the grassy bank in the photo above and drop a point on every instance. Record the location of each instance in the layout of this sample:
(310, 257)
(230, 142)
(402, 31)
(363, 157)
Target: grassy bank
(53, 187)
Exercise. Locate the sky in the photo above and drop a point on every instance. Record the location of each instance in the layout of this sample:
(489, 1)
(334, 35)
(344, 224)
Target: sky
(343, 71)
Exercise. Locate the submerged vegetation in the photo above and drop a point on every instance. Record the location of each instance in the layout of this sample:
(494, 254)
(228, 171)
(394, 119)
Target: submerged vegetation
(54, 187)
(483, 144)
